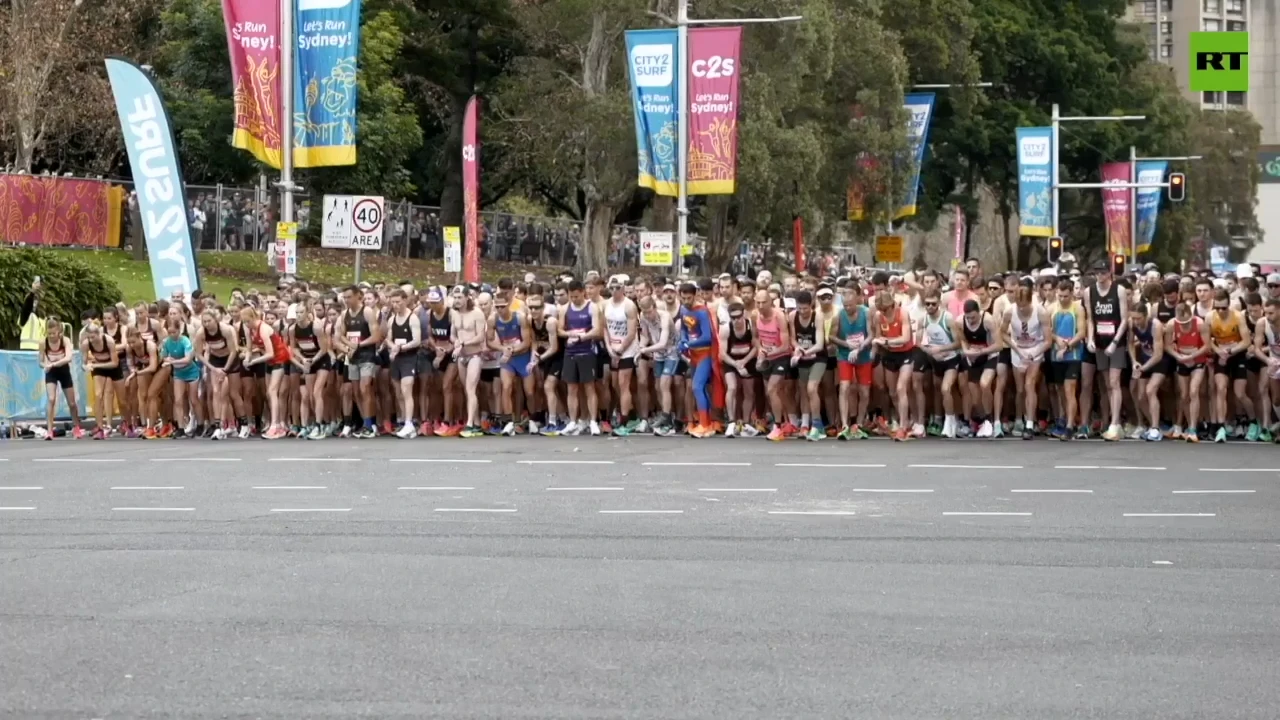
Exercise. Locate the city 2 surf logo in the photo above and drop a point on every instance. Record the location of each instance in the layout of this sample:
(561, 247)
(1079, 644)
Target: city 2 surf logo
(653, 66)
(1034, 151)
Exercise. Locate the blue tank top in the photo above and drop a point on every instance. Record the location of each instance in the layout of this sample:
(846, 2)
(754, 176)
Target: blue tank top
(1064, 326)
(852, 327)
(1144, 340)
(508, 330)
(575, 319)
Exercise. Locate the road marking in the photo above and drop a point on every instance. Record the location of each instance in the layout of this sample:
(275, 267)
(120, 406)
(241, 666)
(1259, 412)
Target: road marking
(893, 490)
(476, 510)
(830, 465)
(196, 459)
(1213, 492)
(439, 460)
(310, 510)
(1241, 470)
(583, 489)
(1170, 515)
(147, 487)
(1161, 562)
(1050, 490)
(564, 462)
(438, 487)
(697, 464)
(313, 459)
(641, 512)
(290, 487)
(78, 460)
(1109, 467)
(16, 487)
(16, 508)
(152, 509)
(969, 467)
(811, 512)
(990, 514)
(723, 490)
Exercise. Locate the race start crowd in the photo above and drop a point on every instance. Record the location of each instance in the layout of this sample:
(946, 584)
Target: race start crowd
(1068, 355)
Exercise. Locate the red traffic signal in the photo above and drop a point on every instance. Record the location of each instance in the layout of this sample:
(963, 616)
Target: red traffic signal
(1177, 187)
(1055, 249)
(1117, 264)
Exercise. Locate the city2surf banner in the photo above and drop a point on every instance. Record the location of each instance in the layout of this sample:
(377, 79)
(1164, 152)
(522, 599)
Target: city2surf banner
(1116, 207)
(324, 91)
(157, 178)
(253, 40)
(1149, 172)
(714, 54)
(919, 107)
(651, 65)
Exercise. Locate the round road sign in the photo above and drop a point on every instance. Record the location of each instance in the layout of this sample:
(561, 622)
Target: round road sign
(366, 216)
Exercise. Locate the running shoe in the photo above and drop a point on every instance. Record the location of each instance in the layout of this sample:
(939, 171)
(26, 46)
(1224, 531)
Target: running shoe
(574, 428)
(77, 433)
(699, 431)
(748, 430)
(1192, 437)
(1137, 433)
(1059, 432)
(1264, 435)
(149, 433)
(985, 430)
(1028, 433)
(551, 429)
(472, 431)
(933, 430)
(604, 426)
(1082, 432)
(642, 426)
(166, 431)
(388, 428)
(365, 433)
(1176, 433)
(777, 434)
(1221, 435)
(244, 432)
(426, 429)
(598, 428)
(1113, 433)
(1252, 435)
(731, 430)
(177, 434)
(218, 434)
(901, 435)
(998, 430)
(100, 435)
(815, 434)
(1154, 435)
(917, 431)
(845, 434)
(509, 429)
(1017, 426)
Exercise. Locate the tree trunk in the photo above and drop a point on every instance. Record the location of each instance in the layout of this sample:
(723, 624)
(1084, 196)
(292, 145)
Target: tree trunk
(451, 192)
(663, 214)
(597, 228)
(137, 239)
(1006, 220)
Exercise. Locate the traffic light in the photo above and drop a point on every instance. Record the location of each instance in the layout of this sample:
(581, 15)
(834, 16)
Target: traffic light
(1055, 249)
(1177, 187)
(1117, 264)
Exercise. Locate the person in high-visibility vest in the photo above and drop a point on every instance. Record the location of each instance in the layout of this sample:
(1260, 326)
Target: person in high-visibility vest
(31, 327)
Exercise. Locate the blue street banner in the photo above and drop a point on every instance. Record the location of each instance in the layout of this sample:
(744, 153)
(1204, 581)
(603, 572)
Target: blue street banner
(22, 391)
(919, 107)
(1035, 181)
(324, 89)
(652, 63)
(1149, 171)
(157, 178)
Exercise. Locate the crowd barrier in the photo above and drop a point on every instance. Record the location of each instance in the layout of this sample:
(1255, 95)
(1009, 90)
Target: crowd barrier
(22, 391)
(60, 211)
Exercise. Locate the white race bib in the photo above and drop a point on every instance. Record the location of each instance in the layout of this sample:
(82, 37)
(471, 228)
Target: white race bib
(1106, 328)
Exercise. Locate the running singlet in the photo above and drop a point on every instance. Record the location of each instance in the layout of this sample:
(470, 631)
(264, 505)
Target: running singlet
(615, 323)
(937, 331)
(102, 354)
(541, 338)
(806, 337)
(1144, 341)
(401, 333)
(1027, 334)
(215, 342)
(653, 328)
(118, 336)
(509, 333)
(279, 353)
(579, 318)
(148, 331)
(440, 328)
(1187, 338)
(896, 328)
(1106, 315)
(305, 337)
(1225, 331)
(770, 331)
(357, 330)
(979, 338)
(1273, 345)
(1066, 323)
(1165, 313)
(52, 355)
(739, 345)
(854, 329)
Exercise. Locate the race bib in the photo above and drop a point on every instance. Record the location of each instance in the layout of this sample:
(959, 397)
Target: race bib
(401, 341)
(856, 338)
(353, 338)
(1106, 328)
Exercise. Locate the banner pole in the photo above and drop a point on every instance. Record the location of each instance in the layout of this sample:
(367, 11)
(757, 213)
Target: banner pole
(1133, 205)
(286, 111)
(682, 132)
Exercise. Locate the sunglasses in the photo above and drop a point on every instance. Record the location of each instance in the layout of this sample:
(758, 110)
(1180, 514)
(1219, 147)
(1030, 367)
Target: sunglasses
(735, 317)
(931, 304)
(1221, 307)
(994, 288)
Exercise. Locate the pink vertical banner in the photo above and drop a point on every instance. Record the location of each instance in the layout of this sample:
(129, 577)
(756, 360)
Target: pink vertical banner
(714, 62)
(471, 190)
(253, 35)
(1115, 207)
(958, 230)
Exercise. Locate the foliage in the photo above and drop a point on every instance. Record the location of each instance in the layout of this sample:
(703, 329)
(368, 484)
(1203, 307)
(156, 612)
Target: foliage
(70, 286)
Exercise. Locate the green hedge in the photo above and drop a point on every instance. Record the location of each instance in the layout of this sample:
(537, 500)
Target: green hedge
(70, 287)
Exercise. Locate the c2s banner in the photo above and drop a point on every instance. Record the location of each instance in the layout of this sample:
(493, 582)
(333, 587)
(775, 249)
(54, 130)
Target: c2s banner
(471, 189)
(157, 178)
(651, 62)
(253, 34)
(714, 62)
(324, 91)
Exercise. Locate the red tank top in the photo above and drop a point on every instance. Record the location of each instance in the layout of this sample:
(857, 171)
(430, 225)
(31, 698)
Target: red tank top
(1188, 339)
(279, 351)
(896, 328)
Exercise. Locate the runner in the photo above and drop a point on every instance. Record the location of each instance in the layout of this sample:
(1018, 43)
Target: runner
(659, 340)
(113, 328)
(854, 363)
(470, 339)
(512, 337)
(1027, 329)
(1146, 344)
(266, 348)
(179, 356)
(1107, 307)
(309, 352)
(362, 334)
(809, 359)
(1067, 358)
(938, 338)
(895, 341)
(402, 344)
(579, 325)
(622, 330)
(55, 357)
(102, 361)
(980, 345)
(215, 345)
(1229, 339)
(738, 350)
(1187, 340)
(547, 361)
(1267, 345)
(697, 335)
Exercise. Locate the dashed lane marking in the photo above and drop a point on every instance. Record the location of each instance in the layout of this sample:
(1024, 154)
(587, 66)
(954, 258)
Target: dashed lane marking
(148, 487)
(988, 514)
(892, 490)
(310, 510)
(152, 509)
(15, 509)
(1214, 492)
(1161, 562)
(697, 464)
(458, 461)
(195, 459)
(564, 462)
(290, 487)
(737, 490)
(78, 460)
(831, 465)
(18, 487)
(476, 510)
(969, 467)
(1169, 515)
(1241, 470)
(812, 512)
(437, 487)
(313, 459)
(641, 512)
(1110, 467)
(1051, 490)
(584, 489)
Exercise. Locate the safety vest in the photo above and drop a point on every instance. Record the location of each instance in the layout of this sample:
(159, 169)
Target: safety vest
(31, 334)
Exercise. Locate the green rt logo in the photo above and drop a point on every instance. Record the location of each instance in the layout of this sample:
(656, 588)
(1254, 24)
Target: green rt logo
(1219, 61)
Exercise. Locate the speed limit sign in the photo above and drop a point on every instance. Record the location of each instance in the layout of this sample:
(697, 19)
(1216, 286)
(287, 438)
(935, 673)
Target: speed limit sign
(352, 222)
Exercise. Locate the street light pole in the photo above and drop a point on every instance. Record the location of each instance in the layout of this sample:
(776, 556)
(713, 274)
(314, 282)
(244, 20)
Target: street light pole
(682, 120)
(1056, 134)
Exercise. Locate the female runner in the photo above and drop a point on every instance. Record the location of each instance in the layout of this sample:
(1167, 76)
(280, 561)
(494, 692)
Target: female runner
(309, 351)
(215, 345)
(143, 362)
(100, 359)
(262, 336)
(55, 358)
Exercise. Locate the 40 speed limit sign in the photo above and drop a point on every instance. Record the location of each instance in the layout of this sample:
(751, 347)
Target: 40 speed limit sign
(352, 222)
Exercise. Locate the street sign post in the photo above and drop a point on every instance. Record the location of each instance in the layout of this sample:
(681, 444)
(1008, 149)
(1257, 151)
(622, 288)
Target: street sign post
(352, 222)
(453, 249)
(657, 249)
(287, 248)
(890, 249)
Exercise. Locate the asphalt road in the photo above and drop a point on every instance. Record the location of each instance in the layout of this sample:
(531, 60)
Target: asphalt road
(640, 578)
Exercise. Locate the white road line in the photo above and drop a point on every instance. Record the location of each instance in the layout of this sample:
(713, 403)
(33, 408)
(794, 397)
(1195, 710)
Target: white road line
(439, 460)
(641, 512)
(476, 510)
(831, 465)
(16, 487)
(1161, 562)
(16, 508)
(438, 487)
(990, 514)
(310, 510)
(564, 462)
(1170, 515)
(811, 512)
(584, 489)
(1050, 490)
(152, 509)
(1077, 467)
(1214, 492)
(726, 490)
(697, 464)
(195, 459)
(1134, 467)
(892, 490)
(1241, 470)
(148, 487)
(78, 460)
(290, 487)
(313, 459)
(969, 467)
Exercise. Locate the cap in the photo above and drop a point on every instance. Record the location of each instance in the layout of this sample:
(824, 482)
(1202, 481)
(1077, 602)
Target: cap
(825, 291)
(1244, 270)
(1273, 279)
(435, 296)
(1048, 272)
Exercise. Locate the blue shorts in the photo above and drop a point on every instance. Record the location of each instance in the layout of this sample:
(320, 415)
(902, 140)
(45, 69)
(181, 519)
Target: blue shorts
(666, 368)
(519, 365)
